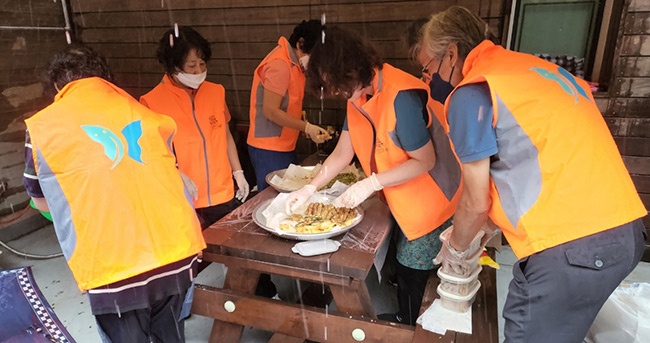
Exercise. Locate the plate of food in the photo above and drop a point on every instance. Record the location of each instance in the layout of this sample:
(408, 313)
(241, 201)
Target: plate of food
(319, 220)
(295, 177)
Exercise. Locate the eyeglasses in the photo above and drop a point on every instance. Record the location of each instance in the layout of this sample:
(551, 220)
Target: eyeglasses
(425, 69)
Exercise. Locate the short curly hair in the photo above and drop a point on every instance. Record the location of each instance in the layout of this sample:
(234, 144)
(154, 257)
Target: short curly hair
(340, 65)
(76, 62)
(172, 51)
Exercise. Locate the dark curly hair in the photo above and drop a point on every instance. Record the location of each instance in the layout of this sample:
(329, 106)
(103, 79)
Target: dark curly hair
(172, 51)
(309, 31)
(76, 62)
(343, 63)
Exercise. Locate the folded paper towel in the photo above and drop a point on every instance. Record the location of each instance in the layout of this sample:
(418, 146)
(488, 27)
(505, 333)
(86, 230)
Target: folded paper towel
(439, 319)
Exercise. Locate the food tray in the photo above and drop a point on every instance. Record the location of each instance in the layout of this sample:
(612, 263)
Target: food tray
(260, 220)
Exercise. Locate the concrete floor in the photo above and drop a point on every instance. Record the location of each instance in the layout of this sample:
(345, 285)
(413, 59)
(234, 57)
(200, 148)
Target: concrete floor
(55, 281)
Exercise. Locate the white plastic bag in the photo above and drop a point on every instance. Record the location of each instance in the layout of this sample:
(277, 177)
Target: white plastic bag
(625, 317)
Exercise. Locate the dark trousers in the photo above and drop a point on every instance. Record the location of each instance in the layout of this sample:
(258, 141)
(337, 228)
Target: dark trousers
(266, 161)
(555, 294)
(411, 284)
(159, 323)
(209, 215)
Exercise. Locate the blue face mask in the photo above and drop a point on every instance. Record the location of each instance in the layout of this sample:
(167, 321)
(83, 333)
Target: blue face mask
(440, 89)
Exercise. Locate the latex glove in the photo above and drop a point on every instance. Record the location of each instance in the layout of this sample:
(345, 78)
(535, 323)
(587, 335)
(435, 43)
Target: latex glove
(316, 133)
(242, 185)
(358, 192)
(190, 186)
(491, 231)
(298, 198)
(461, 263)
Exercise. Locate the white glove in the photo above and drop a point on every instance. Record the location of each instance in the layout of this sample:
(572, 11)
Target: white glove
(461, 263)
(491, 231)
(189, 185)
(298, 198)
(358, 192)
(242, 185)
(316, 133)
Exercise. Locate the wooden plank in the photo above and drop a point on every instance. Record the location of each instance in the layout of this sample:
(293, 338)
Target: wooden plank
(150, 80)
(241, 280)
(635, 45)
(639, 127)
(389, 30)
(633, 146)
(634, 66)
(633, 87)
(637, 23)
(336, 13)
(254, 50)
(216, 67)
(89, 6)
(602, 103)
(213, 33)
(642, 183)
(631, 107)
(353, 300)
(637, 165)
(292, 319)
(302, 274)
(629, 127)
(645, 198)
(31, 13)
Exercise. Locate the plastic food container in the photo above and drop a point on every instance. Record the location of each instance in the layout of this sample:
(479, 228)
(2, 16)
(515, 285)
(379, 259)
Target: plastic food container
(464, 273)
(459, 285)
(458, 303)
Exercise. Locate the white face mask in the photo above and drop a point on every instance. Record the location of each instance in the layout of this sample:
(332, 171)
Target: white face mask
(304, 61)
(191, 80)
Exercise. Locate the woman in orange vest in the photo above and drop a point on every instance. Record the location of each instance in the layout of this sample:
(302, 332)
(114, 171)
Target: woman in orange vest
(276, 103)
(204, 147)
(392, 128)
(540, 162)
(101, 163)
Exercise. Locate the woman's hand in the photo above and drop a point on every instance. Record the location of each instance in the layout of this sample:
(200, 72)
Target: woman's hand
(358, 192)
(242, 185)
(299, 198)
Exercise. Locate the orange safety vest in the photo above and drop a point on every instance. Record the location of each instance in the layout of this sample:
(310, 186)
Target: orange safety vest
(201, 144)
(558, 175)
(423, 203)
(263, 133)
(108, 175)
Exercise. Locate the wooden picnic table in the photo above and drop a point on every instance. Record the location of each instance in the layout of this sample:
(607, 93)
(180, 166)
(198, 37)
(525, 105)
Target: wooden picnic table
(248, 250)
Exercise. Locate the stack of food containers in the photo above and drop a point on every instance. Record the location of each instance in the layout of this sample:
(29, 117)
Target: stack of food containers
(458, 285)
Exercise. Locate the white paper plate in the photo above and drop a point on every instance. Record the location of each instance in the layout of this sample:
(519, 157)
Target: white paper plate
(280, 174)
(260, 220)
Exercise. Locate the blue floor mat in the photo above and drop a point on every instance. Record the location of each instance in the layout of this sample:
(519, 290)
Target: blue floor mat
(25, 314)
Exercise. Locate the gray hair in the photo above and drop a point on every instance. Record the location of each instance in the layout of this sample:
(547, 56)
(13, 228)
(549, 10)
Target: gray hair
(456, 25)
